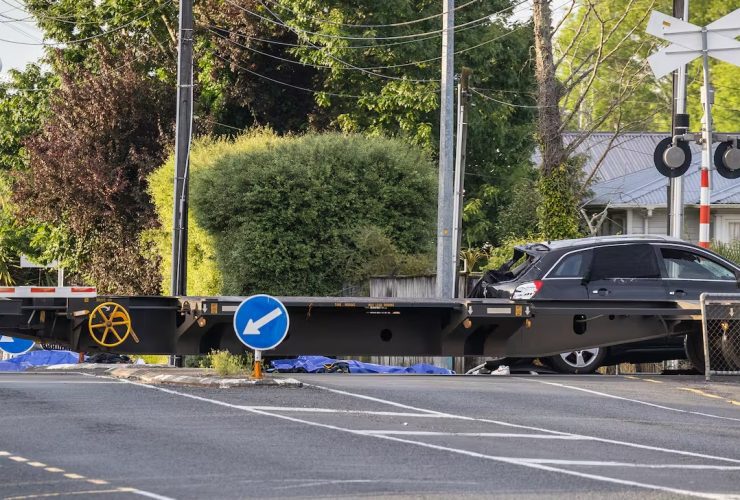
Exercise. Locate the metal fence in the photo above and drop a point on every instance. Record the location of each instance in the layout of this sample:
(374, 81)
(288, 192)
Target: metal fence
(721, 333)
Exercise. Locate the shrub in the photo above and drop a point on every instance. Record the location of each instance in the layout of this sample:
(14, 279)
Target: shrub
(226, 364)
(292, 215)
(730, 251)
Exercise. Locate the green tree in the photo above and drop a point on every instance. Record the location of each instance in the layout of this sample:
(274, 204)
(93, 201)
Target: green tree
(23, 106)
(623, 94)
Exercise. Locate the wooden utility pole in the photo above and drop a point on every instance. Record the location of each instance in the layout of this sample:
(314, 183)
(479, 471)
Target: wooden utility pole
(445, 271)
(184, 128)
(184, 132)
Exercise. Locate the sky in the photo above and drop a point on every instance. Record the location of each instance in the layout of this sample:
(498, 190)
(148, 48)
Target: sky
(15, 55)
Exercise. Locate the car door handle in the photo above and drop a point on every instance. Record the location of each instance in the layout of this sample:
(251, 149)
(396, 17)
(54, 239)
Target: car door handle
(602, 291)
(677, 293)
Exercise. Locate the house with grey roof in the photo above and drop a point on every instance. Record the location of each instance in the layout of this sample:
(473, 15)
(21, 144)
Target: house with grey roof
(635, 194)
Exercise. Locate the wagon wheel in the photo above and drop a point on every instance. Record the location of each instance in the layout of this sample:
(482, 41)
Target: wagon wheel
(110, 325)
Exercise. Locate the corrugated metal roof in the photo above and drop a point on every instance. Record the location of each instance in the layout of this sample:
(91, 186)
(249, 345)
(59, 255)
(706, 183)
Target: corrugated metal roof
(627, 175)
(648, 188)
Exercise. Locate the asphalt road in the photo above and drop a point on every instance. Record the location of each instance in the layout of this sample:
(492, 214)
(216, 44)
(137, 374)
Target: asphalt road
(73, 436)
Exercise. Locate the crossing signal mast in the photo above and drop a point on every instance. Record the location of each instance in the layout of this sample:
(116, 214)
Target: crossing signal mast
(673, 156)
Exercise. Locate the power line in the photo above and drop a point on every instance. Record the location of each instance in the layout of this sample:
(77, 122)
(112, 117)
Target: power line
(305, 89)
(434, 33)
(377, 75)
(391, 66)
(65, 19)
(92, 37)
(505, 103)
(391, 25)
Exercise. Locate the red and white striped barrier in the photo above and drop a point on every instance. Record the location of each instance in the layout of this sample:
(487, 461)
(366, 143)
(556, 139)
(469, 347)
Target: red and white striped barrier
(704, 209)
(48, 291)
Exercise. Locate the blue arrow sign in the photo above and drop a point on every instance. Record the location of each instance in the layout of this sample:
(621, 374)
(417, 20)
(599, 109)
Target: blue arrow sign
(261, 322)
(15, 346)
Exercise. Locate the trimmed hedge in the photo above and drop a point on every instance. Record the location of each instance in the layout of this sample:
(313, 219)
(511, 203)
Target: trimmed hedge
(292, 215)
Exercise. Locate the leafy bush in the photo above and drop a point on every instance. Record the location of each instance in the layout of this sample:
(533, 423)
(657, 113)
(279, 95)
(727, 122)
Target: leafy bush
(730, 251)
(502, 253)
(226, 364)
(292, 215)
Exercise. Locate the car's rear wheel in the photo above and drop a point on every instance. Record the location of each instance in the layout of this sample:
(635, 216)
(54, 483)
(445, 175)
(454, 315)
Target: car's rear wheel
(582, 361)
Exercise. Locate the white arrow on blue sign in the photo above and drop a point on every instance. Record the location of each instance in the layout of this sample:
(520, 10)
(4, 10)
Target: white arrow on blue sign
(12, 345)
(261, 322)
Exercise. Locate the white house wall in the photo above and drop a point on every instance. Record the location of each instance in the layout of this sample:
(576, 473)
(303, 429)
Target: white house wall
(657, 223)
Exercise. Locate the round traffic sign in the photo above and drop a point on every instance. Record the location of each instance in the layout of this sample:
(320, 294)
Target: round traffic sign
(15, 346)
(261, 322)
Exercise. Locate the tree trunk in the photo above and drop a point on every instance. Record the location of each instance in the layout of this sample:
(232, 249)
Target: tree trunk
(548, 90)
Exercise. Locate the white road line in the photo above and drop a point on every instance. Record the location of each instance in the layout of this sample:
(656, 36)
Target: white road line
(474, 434)
(597, 463)
(336, 410)
(144, 493)
(37, 464)
(71, 475)
(507, 460)
(613, 396)
(540, 429)
(4, 453)
(18, 459)
(53, 469)
(68, 493)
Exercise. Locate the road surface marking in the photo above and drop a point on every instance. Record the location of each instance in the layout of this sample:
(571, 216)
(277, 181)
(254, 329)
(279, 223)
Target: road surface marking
(613, 396)
(474, 434)
(652, 380)
(538, 429)
(70, 493)
(597, 463)
(632, 377)
(336, 410)
(503, 459)
(71, 475)
(708, 395)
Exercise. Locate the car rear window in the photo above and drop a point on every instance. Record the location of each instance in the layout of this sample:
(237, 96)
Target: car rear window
(573, 265)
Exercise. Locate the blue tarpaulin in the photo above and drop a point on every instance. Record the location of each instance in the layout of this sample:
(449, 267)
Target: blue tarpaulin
(322, 364)
(38, 358)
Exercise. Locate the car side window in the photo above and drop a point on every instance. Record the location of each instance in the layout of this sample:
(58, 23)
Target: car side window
(683, 264)
(573, 265)
(637, 261)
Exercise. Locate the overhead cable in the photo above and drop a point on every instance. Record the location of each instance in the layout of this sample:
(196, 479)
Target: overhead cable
(92, 37)
(435, 33)
(351, 25)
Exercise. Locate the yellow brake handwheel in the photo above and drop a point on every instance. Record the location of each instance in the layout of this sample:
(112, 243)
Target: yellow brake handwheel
(109, 324)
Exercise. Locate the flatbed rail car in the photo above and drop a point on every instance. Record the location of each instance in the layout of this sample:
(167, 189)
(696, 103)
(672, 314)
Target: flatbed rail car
(341, 325)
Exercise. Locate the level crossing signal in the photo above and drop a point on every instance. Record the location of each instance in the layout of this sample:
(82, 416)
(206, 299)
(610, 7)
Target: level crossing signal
(688, 41)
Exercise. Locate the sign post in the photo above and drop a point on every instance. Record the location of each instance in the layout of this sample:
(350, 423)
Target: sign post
(261, 323)
(688, 42)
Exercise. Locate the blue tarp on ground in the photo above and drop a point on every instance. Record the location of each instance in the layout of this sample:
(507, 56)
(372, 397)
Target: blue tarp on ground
(322, 364)
(38, 358)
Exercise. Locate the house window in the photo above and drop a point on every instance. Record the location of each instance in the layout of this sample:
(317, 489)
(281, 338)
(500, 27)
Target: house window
(733, 230)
